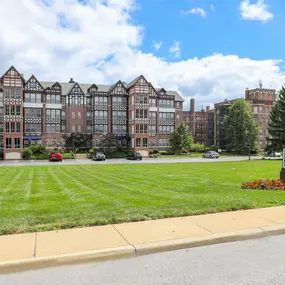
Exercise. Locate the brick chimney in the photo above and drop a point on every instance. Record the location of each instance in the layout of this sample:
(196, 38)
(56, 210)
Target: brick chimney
(207, 108)
(192, 105)
(71, 80)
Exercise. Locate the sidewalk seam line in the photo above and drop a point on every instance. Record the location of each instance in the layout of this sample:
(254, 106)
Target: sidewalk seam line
(199, 226)
(124, 237)
(35, 247)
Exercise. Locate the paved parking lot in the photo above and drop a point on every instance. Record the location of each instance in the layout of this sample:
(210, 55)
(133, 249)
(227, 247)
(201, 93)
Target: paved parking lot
(124, 161)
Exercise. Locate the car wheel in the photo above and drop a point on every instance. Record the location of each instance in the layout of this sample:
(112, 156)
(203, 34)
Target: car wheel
(203, 156)
(141, 158)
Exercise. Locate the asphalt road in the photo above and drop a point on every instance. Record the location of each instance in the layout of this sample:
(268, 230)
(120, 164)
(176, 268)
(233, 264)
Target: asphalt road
(125, 161)
(252, 262)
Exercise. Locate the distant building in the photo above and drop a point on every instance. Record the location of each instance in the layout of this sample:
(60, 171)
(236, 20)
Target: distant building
(261, 101)
(197, 122)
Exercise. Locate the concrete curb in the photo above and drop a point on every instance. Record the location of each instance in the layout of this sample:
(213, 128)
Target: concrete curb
(67, 259)
(139, 250)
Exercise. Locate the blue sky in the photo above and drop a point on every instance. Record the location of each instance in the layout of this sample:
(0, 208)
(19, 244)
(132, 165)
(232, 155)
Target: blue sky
(221, 31)
(210, 50)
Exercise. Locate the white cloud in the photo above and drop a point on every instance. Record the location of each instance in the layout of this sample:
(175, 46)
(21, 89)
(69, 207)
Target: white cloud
(213, 8)
(157, 45)
(255, 12)
(175, 49)
(197, 11)
(100, 43)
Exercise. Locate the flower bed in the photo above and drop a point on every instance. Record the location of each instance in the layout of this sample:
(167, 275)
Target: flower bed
(275, 184)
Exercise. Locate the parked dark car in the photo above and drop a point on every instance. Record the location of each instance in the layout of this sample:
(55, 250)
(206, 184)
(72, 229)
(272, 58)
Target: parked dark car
(99, 156)
(55, 156)
(211, 154)
(135, 156)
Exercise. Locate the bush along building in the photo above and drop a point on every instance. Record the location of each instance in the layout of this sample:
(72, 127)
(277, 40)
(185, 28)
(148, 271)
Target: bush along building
(35, 112)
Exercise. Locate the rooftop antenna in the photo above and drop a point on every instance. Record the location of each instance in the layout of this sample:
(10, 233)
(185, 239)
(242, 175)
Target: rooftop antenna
(260, 84)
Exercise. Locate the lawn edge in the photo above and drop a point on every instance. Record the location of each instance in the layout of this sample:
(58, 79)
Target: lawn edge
(132, 251)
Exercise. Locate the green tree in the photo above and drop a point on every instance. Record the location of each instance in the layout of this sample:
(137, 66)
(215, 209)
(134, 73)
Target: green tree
(241, 130)
(180, 140)
(276, 123)
(78, 141)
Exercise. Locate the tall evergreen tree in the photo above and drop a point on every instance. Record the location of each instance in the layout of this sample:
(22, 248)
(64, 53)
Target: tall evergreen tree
(276, 123)
(181, 140)
(240, 127)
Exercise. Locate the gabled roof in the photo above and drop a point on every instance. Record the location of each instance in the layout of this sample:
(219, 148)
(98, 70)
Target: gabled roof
(132, 83)
(66, 87)
(112, 87)
(12, 67)
(93, 86)
(34, 77)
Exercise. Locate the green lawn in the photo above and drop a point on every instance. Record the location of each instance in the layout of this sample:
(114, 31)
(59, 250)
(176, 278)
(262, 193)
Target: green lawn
(36, 198)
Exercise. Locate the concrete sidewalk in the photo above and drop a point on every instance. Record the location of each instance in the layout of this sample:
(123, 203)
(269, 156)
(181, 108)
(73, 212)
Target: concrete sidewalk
(43, 249)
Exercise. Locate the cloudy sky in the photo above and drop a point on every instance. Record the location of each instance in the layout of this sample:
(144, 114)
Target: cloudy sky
(207, 49)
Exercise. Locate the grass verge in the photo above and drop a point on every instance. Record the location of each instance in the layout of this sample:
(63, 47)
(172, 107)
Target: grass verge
(37, 198)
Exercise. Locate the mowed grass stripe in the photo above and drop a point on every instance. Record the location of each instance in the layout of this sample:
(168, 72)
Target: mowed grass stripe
(61, 196)
(132, 190)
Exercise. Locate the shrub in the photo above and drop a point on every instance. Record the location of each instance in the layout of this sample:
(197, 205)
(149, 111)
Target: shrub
(117, 154)
(154, 155)
(197, 147)
(68, 155)
(27, 153)
(275, 184)
(151, 152)
(163, 152)
(155, 151)
(39, 156)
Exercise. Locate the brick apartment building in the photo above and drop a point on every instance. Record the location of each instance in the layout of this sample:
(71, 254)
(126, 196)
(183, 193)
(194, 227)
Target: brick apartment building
(260, 100)
(200, 124)
(36, 112)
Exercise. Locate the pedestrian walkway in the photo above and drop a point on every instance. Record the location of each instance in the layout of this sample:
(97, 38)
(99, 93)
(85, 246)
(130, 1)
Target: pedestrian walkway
(131, 239)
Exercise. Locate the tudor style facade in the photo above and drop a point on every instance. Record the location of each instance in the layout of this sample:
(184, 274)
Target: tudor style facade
(36, 112)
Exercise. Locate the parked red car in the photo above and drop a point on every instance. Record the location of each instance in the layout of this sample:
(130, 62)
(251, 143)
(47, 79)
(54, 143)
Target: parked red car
(55, 156)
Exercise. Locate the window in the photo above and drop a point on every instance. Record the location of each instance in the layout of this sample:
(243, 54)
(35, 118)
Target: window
(255, 110)
(177, 117)
(12, 127)
(8, 143)
(33, 128)
(100, 129)
(119, 129)
(119, 100)
(100, 100)
(138, 142)
(166, 116)
(144, 142)
(7, 127)
(73, 128)
(53, 99)
(166, 130)
(153, 103)
(79, 115)
(33, 113)
(18, 111)
(17, 142)
(141, 129)
(141, 114)
(73, 115)
(63, 115)
(119, 115)
(12, 110)
(18, 127)
(152, 115)
(163, 103)
(141, 99)
(7, 110)
(33, 98)
(18, 93)
(178, 105)
(100, 115)
(79, 128)
(152, 129)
